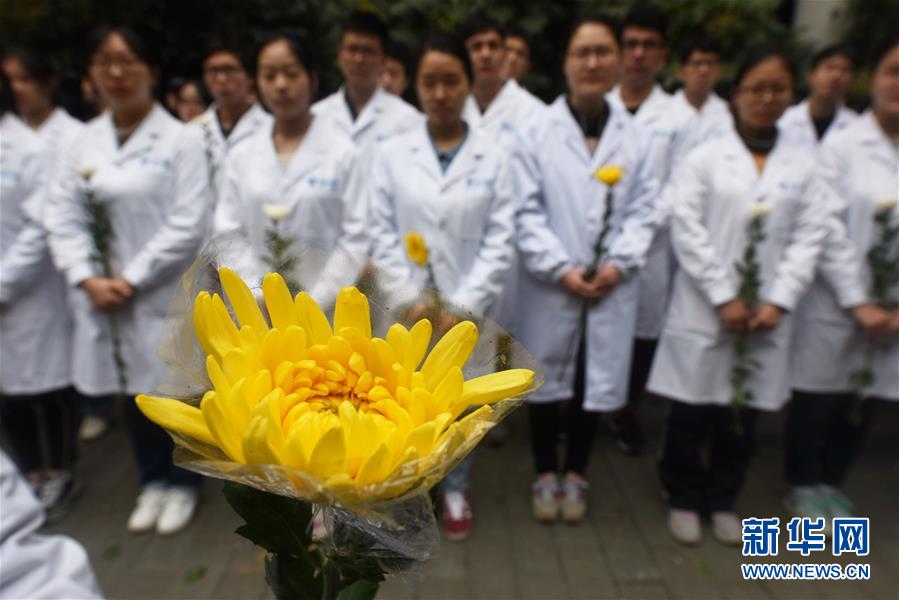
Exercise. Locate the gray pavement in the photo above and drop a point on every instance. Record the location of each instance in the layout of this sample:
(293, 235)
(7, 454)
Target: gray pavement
(622, 550)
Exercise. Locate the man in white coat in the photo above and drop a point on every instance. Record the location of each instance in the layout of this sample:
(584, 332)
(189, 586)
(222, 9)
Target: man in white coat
(644, 51)
(361, 108)
(234, 114)
(823, 113)
(496, 108)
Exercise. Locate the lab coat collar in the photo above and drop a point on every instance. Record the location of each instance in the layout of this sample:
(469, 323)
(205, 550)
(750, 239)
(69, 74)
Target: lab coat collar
(307, 157)
(466, 160)
(609, 142)
(782, 159)
(497, 107)
(875, 141)
(143, 138)
(369, 114)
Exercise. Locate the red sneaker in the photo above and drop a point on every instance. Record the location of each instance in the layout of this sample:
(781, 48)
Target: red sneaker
(456, 516)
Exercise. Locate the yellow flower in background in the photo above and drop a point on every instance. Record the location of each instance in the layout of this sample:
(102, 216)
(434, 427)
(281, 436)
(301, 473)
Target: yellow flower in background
(356, 417)
(609, 174)
(416, 248)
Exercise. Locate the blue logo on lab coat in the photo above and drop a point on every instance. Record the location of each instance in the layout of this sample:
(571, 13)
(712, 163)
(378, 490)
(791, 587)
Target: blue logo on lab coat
(323, 183)
(152, 161)
(476, 182)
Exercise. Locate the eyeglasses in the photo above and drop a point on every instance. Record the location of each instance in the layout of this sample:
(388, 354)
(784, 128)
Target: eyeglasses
(126, 64)
(645, 44)
(761, 90)
(585, 52)
(227, 71)
(366, 52)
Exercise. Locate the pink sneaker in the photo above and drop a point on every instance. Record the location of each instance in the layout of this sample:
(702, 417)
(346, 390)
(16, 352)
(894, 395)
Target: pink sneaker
(456, 516)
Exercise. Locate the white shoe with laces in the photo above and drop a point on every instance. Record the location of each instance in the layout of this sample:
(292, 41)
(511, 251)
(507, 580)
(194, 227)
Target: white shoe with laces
(684, 526)
(147, 509)
(574, 498)
(177, 510)
(545, 497)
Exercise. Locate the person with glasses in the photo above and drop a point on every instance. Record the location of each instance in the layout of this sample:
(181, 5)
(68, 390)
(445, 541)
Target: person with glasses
(840, 320)
(579, 324)
(517, 64)
(749, 186)
(645, 54)
(361, 107)
(824, 112)
(192, 100)
(234, 115)
(146, 171)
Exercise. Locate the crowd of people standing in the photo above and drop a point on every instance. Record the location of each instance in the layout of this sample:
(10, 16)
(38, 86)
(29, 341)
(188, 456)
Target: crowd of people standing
(510, 196)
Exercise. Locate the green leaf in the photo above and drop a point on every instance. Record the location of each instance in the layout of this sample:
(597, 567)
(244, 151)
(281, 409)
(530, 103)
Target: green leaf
(276, 523)
(194, 575)
(291, 577)
(360, 590)
(112, 551)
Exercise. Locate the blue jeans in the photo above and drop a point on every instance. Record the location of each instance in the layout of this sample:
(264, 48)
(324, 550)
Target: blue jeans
(458, 479)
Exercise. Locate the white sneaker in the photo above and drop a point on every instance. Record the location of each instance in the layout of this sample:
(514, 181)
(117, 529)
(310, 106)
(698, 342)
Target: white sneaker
(684, 526)
(545, 497)
(809, 503)
(727, 528)
(839, 506)
(92, 427)
(146, 511)
(177, 509)
(574, 498)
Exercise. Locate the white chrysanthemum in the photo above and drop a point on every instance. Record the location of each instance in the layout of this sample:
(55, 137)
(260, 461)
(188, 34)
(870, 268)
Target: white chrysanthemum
(760, 209)
(86, 173)
(275, 212)
(886, 205)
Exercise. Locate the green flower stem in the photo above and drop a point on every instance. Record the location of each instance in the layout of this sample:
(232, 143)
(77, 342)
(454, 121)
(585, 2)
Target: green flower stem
(599, 248)
(280, 258)
(100, 228)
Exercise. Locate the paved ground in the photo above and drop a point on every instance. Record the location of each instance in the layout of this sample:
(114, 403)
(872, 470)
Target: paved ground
(621, 551)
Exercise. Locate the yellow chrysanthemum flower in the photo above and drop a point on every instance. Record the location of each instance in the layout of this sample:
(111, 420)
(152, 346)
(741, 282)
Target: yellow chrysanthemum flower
(354, 417)
(416, 248)
(609, 174)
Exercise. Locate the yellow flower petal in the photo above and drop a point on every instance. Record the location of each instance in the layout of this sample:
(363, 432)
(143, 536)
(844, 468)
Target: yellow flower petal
(452, 350)
(376, 467)
(312, 319)
(329, 454)
(421, 339)
(351, 310)
(242, 301)
(176, 416)
(491, 388)
(279, 302)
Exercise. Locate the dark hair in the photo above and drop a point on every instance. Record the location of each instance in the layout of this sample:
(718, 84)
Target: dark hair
(646, 16)
(759, 54)
(136, 42)
(204, 93)
(36, 64)
(6, 101)
(513, 31)
(882, 50)
(604, 21)
(399, 53)
(225, 47)
(481, 23)
(366, 23)
(299, 47)
(446, 45)
(700, 43)
(831, 51)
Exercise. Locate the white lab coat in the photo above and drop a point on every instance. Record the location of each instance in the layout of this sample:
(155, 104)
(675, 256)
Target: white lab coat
(672, 136)
(328, 213)
(57, 133)
(796, 124)
(465, 215)
(558, 223)
(384, 116)
(502, 123)
(34, 565)
(35, 327)
(711, 201)
(653, 109)
(157, 187)
(859, 167)
(218, 146)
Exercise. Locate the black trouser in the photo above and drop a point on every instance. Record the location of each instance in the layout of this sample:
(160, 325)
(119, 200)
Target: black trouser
(824, 434)
(641, 363)
(694, 431)
(546, 421)
(42, 429)
(153, 450)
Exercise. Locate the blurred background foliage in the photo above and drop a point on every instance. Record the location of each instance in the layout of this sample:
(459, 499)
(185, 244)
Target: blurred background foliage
(182, 28)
